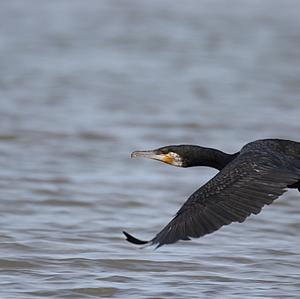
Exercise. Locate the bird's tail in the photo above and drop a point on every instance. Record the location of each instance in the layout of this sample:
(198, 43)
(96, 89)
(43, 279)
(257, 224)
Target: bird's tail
(134, 240)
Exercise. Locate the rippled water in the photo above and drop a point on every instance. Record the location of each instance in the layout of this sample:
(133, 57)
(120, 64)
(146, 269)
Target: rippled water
(84, 83)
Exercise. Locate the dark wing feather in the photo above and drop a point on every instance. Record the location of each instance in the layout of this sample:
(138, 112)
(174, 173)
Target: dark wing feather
(242, 188)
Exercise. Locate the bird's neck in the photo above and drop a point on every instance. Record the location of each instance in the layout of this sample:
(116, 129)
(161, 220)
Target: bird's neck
(210, 157)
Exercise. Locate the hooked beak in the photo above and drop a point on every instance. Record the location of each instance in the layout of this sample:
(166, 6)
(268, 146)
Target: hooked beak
(153, 155)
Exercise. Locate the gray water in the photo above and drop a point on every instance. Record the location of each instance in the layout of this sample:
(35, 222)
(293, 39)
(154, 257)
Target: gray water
(84, 83)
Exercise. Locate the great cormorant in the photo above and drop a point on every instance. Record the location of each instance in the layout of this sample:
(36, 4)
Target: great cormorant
(247, 180)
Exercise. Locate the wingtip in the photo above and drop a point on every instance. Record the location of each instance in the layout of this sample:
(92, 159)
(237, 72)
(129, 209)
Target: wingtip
(134, 240)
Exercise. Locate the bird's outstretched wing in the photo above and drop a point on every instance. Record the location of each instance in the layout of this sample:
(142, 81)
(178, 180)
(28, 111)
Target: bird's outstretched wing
(242, 188)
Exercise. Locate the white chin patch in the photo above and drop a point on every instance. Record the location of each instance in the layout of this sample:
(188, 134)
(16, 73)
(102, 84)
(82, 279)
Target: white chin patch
(177, 161)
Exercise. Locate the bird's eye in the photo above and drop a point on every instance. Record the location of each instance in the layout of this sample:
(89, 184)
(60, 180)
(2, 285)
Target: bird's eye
(164, 151)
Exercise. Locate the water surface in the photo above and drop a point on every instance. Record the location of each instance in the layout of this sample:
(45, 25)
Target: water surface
(82, 84)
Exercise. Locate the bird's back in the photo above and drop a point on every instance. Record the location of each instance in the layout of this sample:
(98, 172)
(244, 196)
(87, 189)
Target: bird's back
(288, 148)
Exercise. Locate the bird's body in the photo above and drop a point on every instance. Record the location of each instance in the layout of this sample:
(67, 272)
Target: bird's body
(247, 180)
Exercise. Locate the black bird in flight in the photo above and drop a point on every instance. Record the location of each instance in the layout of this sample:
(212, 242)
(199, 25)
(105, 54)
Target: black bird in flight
(247, 180)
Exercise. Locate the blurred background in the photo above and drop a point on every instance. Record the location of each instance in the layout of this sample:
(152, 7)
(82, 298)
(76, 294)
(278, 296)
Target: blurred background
(84, 83)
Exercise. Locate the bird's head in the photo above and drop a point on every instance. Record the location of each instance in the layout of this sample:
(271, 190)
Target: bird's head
(176, 155)
(186, 155)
